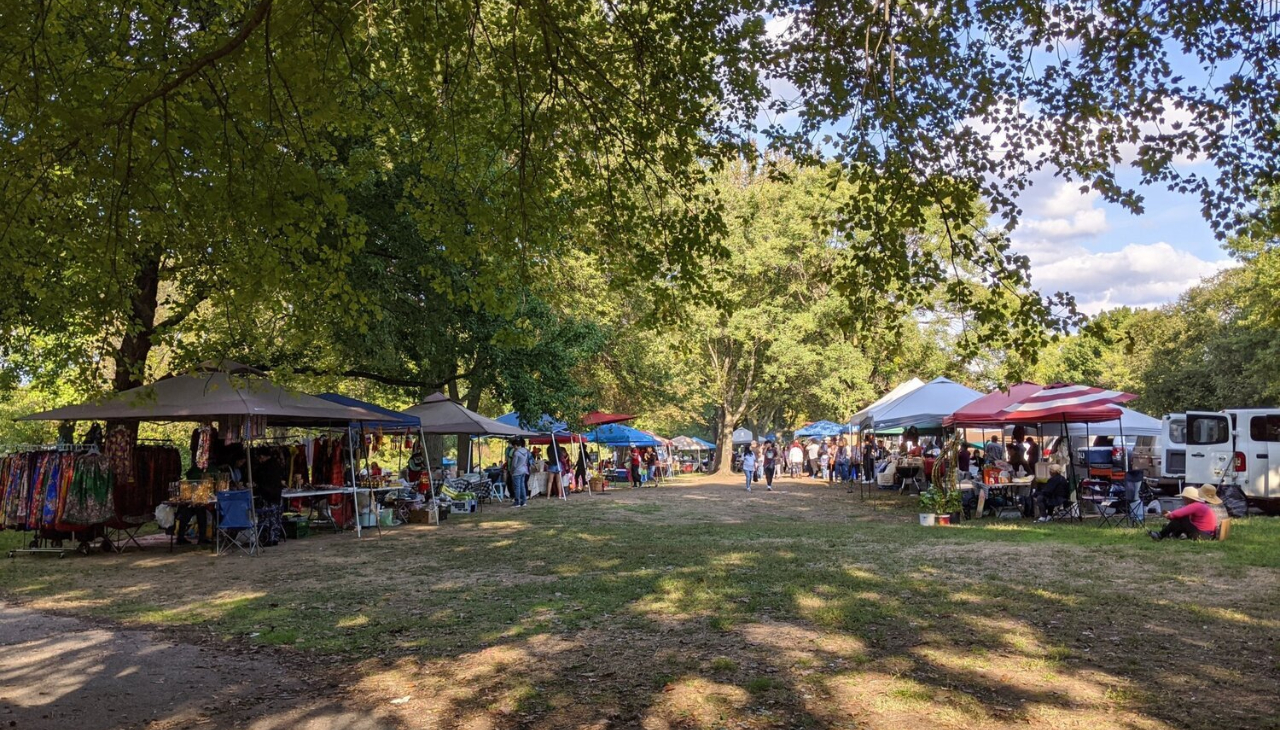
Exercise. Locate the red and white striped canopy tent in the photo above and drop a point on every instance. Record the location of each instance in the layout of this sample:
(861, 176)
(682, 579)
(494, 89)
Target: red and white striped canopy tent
(1066, 403)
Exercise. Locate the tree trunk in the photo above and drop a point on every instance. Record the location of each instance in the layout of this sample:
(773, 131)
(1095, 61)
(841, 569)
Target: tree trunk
(724, 444)
(140, 326)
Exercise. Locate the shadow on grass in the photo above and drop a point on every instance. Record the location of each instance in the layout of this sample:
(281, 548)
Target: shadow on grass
(560, 619)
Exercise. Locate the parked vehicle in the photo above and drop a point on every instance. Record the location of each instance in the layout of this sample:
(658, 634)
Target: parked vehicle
(1163, 460)
(1236, 446)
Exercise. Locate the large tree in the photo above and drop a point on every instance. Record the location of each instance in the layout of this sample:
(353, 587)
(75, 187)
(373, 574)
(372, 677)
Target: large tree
(160, 162)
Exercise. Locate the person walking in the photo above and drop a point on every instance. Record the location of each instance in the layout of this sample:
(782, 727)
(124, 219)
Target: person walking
(635, 468)
(749, 466)
(770, 463)
(651, 464)
(795, 459)
(520, 473)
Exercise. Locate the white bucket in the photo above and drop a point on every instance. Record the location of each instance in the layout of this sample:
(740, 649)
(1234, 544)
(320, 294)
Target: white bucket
(928, 520)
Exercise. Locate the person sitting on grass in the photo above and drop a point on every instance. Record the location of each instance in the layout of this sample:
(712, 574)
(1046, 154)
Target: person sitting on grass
(1055, 493)
(1193, 520)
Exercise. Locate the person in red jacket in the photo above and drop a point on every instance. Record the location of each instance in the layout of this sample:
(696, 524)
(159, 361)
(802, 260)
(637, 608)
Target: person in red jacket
(635, 468)
(1194, 519)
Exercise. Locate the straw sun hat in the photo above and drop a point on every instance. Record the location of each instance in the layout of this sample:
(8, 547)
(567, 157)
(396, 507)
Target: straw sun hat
(1192, 493)
(1209, 493)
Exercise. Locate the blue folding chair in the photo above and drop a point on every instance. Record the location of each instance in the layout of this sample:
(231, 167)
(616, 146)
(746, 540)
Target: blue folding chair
(237, 522)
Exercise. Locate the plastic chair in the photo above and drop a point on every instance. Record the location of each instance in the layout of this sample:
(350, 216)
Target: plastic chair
(237, 522)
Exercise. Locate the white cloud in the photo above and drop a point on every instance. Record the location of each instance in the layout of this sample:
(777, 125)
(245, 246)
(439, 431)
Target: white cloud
(777, 26)
(1061, 227)
(1138, 275)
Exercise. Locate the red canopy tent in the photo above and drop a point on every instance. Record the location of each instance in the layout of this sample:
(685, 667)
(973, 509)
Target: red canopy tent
(562, 438)
(598, 418)
(1066, 403)
(987, 410)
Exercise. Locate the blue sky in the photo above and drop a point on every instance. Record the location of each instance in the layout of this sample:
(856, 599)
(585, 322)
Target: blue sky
(1101, 253)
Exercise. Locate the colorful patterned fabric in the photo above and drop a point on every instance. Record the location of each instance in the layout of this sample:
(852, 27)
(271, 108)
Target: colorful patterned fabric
(89, 500)
(119, 451)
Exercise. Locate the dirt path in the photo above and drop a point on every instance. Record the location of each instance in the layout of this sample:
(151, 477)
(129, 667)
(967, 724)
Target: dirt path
(60, 673)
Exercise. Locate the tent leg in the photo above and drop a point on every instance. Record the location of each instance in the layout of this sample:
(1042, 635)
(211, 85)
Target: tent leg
(355, 503)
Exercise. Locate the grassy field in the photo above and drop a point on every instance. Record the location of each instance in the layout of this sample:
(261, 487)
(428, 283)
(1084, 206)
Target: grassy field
(700, 606)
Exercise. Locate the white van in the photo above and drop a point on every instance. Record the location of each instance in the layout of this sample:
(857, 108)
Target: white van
(1236, 446)
(1170, 465)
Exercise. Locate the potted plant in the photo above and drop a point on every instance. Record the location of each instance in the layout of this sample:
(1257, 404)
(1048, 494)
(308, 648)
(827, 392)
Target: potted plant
(929, 507)
(949, 506)
(937, 506)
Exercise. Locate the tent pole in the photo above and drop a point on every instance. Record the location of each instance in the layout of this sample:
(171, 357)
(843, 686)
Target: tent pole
(355, 483)
(555, 455)
(248, 465)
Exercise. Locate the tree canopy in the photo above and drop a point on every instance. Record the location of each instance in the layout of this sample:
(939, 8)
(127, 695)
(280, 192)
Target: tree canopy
(436, 194)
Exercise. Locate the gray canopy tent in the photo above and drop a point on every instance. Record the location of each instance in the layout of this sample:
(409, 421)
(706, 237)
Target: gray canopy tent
(216, 390)
(441, 415)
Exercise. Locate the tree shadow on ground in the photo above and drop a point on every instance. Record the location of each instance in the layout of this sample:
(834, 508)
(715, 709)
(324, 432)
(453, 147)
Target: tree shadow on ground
(550, 620)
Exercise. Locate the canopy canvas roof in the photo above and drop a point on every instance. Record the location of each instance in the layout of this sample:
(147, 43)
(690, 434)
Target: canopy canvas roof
(211, 391)
(439, 414)
(393, 420)
(821, 428)
(617, 434)
(691, 443)
(1130, 423)
(1070, 403)
(987, 410)
(541, 424)
(867, 414)
(925, 407)
(598, 418)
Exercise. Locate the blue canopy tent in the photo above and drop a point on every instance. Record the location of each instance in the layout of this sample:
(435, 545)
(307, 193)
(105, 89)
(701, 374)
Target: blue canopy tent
(617, 434)
(395, 421)
(541, 424)
(820, 429)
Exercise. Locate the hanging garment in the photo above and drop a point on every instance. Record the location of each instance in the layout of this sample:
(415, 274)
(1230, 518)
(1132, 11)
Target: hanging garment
(231, 430)
(15, 494)
(119, 451)
(155, 468)
(337, 473)
(39, 487)
(57, 484)
(202, 439)
(89, 500)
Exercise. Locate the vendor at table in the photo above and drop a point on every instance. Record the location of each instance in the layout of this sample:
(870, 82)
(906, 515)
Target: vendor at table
(1055, 493)
(269, 474)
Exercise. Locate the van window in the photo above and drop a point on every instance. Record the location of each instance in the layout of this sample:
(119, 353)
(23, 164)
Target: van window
(1207, 430)
(1178, 431)
(1264, 428)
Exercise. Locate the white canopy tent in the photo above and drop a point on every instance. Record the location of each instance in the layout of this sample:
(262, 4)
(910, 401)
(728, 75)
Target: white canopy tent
(1131, 423)
(743, 436)
(924, 407)
(868, 413)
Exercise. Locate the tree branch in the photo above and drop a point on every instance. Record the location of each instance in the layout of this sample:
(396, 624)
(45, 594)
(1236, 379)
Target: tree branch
(376, 377)
(251, 24)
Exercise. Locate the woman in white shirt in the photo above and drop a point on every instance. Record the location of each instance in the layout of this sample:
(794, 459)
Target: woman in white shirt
(795, 458)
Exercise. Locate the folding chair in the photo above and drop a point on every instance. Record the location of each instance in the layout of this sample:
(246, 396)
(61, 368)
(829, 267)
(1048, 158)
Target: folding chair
(1130, 510)
(1097, 494)
(1069, 511)
(237, 522)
